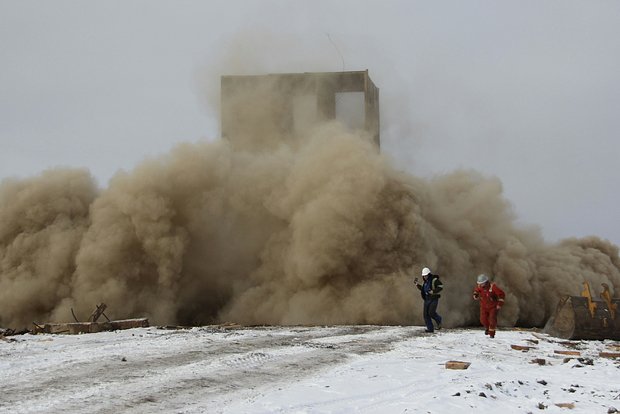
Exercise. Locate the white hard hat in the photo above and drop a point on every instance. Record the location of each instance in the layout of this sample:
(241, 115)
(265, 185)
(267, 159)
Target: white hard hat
(482, 279)
(426, 271)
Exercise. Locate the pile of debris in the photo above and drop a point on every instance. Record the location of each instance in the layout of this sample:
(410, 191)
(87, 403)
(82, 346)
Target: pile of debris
(92, 325)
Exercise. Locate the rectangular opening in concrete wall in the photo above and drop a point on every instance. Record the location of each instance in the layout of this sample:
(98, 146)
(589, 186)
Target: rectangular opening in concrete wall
(350, 109)
(303, 99)
(305, 113)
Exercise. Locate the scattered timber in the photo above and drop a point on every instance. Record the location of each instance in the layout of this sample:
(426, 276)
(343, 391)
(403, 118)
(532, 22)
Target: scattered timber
(457, 365)
(522, 348)
(90, 327)
(6, 332)
(562, 352)
(570, 405)
(609, 354)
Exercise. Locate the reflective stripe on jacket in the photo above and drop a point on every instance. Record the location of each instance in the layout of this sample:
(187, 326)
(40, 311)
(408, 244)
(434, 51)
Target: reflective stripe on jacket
(490, 296)
(431, 287)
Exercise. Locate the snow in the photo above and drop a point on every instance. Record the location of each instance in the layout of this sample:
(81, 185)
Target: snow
(340, 369)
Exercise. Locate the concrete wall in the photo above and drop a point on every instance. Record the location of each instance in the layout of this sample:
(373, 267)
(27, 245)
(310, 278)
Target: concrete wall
(284, 105)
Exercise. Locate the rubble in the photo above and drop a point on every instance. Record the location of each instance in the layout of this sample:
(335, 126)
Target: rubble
(91, 326)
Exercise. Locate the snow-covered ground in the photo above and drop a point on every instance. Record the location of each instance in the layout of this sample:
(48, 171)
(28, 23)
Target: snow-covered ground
(342, 369)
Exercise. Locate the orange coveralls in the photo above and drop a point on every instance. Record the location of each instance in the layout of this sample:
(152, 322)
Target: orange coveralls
(491, 299)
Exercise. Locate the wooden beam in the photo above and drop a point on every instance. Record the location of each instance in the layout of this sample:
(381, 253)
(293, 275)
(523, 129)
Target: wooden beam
(457, 365)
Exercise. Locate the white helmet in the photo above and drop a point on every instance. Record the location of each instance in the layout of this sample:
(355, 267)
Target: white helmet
(426, 271)
(482, 279)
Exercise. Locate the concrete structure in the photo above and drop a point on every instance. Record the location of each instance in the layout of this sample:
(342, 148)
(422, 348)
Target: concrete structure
(288, 104)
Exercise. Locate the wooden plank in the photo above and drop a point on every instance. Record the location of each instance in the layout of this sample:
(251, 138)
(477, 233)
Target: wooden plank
(91, 327)
(570, 344)
(543, 337)
(457, 365)
(79, 328)
(95, 327)
(561, 352)
(521, 348)
(130, 323)
(609, 354)
(570, 406)
(56, 328)
(98, 312)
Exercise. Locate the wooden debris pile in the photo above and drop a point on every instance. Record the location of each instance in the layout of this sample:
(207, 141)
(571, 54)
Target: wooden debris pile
(92, 325)
(572, 353)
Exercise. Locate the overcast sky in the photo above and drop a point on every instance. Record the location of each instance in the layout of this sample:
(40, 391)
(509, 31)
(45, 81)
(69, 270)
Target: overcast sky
(528, 91)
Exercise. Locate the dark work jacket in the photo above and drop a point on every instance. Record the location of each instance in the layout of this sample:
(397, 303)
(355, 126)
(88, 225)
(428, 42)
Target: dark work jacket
(431, 287)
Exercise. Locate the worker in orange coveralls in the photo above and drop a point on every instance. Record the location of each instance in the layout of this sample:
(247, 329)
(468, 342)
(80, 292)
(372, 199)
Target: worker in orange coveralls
(491, 299)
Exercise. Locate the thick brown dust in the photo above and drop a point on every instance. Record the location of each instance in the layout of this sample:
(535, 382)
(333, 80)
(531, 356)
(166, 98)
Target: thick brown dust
(317, 229)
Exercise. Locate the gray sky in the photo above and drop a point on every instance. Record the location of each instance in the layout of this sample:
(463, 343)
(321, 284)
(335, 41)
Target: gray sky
(527, 91)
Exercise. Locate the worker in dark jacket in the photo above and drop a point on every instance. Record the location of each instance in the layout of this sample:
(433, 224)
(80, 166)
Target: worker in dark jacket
(491, 299)
(429, 289)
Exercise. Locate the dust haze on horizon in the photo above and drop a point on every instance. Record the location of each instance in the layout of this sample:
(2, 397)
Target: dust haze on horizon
(272, 230)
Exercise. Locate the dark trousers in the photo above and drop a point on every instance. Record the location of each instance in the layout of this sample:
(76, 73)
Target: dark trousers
(430, 313)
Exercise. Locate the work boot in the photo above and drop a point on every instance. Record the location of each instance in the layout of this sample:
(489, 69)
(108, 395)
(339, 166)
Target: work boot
(438, 326)
(486, 331)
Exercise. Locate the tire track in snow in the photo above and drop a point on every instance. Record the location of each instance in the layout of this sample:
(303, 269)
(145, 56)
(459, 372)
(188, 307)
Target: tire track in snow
(170, 371)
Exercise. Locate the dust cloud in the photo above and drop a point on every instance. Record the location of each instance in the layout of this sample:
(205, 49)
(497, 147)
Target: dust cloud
(264, 228)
